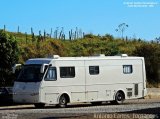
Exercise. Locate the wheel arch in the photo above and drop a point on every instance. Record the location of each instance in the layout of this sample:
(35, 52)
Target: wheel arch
(66, 95)
(121, 91)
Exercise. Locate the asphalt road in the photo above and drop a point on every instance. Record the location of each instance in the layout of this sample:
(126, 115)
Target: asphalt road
(131, 109)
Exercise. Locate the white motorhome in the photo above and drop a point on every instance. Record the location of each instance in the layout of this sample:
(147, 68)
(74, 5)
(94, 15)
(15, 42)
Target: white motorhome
(62, 80)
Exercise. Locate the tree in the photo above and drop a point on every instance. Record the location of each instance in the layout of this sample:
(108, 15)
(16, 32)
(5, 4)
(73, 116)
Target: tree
(151, 53)
(91, 36)
(111, 49)
(157, 40)
(107, 37)
(121, 28)
(8, 54)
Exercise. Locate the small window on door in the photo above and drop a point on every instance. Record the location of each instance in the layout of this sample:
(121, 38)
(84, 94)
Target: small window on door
(51, 74)
(94, 70)
(127, 69)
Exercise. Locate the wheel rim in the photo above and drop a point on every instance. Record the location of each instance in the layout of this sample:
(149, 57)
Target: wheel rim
(62, 100)
(119, 97)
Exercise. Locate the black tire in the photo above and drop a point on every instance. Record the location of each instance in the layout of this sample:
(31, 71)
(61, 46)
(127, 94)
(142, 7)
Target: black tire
(96, 103)
(39, 105)
(63, 101)
(119, 98)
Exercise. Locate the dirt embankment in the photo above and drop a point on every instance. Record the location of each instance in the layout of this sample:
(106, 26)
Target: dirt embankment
(153, 93)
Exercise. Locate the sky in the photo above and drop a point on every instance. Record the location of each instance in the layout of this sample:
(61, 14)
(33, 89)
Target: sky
(91, 16)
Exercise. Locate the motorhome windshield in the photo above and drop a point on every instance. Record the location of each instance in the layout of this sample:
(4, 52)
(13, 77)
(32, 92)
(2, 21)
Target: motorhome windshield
(30, 73)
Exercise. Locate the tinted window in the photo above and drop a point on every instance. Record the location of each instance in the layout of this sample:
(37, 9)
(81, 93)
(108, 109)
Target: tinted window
(30, 73)
(67, 72)
(94, 70)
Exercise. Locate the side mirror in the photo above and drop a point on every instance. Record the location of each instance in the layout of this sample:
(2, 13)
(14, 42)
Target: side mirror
(43, 67)
(16, 67)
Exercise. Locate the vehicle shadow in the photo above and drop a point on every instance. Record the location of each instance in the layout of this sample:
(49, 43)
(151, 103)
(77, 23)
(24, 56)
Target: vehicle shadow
(16, 106)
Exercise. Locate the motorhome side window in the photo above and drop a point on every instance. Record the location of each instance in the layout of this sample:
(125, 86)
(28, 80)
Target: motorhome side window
(51, 74)
(127, 69)
(67, 72)
(93, 70)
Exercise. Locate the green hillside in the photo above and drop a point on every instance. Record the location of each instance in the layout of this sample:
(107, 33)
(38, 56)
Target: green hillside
(32, 46)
